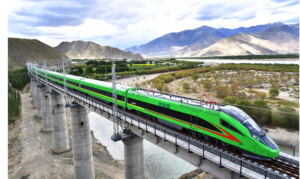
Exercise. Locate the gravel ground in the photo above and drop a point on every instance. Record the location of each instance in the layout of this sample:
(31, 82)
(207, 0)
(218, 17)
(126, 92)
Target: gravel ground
(30, 151)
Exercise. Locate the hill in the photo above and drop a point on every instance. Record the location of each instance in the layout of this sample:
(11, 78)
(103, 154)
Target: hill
(193, 40)
(283, 39)
(22, 50)
(83, 50)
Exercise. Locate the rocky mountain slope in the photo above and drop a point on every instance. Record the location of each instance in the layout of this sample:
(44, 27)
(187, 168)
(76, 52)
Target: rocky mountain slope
(22, 50)
(192, 40)
(83, 50)
(283, 39)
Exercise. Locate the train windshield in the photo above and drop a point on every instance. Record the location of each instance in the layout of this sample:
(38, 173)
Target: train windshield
(236, 113)
(244, 118)
(251, 125)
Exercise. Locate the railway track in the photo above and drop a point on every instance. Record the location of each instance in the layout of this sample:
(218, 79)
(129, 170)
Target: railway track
(285, 168)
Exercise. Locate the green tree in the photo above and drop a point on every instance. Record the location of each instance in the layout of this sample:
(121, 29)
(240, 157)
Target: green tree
(195, 77)
(230, 100)
(186, 86)
(273, 92)
(89, 69)
(245, 105)
(285, 118)
(262, 116)
(207, 84)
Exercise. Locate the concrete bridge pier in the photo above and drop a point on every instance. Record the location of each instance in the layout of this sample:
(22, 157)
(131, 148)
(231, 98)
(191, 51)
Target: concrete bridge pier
(34, 92)
(46, 111)
(81, 141)
(59, 123)
(134, 158)
(39, 94)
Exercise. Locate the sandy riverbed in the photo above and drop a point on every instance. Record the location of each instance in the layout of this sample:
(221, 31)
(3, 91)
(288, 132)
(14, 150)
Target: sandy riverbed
(285, 136)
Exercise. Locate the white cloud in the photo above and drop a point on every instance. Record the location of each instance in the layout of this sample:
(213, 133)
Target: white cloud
(124, 24)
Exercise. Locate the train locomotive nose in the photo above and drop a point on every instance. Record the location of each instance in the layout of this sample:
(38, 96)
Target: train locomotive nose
(273, 153)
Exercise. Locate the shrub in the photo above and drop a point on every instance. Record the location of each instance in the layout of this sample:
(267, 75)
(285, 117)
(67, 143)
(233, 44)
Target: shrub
(159, 86)
(244, 105)
(186, 86)
(273, 92)
(230, 100)
(195, 77)
(259, 115)
(166, 89)
(286, 119)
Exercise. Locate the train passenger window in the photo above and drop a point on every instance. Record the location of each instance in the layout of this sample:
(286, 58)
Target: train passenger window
(168, 106)
(160, 104)
(164, 105)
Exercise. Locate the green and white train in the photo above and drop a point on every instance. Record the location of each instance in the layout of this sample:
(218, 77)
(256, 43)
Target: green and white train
(227, 125)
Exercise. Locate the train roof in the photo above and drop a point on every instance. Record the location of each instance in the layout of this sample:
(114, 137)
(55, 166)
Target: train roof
(107, 84)
(185, 100)
(102, 83)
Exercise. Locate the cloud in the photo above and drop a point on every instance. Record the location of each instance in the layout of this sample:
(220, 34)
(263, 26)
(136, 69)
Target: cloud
(125, 23)
(217, 10)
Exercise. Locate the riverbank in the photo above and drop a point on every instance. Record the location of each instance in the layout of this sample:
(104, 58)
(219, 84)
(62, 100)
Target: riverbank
(280, 134)
(30, 150)
(270, 59)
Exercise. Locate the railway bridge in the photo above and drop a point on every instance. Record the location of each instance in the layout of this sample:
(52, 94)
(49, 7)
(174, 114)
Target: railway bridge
(48, 97)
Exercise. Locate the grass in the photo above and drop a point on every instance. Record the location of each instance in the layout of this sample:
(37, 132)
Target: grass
(290, 104)
(25, 176)
(252, 91)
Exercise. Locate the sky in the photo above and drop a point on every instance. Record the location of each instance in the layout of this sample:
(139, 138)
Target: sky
(126, 23)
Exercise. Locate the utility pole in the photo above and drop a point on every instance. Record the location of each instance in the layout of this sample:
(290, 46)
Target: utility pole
(45, 68)
(36, 76)
(116, 136)
(65, 83)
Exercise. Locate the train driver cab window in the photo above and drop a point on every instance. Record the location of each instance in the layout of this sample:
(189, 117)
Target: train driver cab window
(244, 118)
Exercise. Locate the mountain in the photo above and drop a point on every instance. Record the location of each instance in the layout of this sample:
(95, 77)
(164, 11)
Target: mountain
(83, 50)
(282, 39)
(192, 40)
(22, 50)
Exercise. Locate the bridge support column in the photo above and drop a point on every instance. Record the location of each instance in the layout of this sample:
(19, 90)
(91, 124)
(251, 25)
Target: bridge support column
(59, 123)
(39, 94)
(46, 112)
(134, 158)
(81, 141)
(34, 92)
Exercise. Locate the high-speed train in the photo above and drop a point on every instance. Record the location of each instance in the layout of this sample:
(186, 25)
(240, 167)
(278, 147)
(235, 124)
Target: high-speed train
(226, 125)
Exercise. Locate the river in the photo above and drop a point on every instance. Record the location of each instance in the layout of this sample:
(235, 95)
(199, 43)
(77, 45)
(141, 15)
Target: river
(244, 61)
(159, 164)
